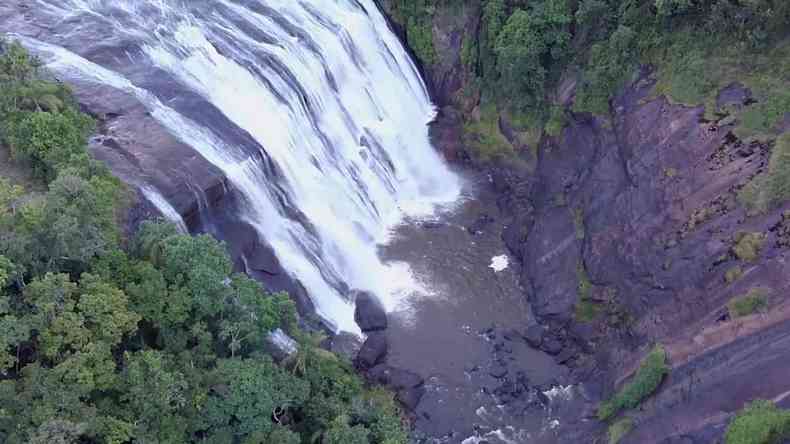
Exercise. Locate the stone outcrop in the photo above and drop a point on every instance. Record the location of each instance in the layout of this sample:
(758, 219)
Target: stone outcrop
(369, 313)
(624, 225)
(371, 317)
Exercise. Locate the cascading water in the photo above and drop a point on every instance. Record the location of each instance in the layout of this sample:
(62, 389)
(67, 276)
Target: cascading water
(336, 107)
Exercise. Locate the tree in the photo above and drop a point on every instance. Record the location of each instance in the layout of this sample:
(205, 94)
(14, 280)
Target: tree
(156, 395)
(528, 44)
(248, 393)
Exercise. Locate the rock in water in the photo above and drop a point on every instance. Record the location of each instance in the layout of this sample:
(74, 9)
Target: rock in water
(369, 313)
(373, 350)
(280, 346)
(394, 378)
(410, 398)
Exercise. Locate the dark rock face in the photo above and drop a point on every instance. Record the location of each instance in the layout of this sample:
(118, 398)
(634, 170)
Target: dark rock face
(735, 96)
(410, 397)
(534, 335)
(369, 313)
(373, 350)
(394, 377)
(639, 215)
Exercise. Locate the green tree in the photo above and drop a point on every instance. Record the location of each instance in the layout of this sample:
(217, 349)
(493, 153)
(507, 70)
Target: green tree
(529, 43)
(156, 395)
(247, 394)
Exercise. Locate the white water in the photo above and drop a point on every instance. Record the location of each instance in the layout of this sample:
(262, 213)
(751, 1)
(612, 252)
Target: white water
(164, 207)
(499, 263)
(328, 92)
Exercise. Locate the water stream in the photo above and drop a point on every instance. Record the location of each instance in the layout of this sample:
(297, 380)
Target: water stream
(334, 108)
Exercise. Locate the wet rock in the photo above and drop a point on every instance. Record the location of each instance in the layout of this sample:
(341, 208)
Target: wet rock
(733, 96)
(432, 225)
(479, 225)
(411, 397)
(565, 355)
(551, 346)
(534, 336)
(279, 345)
(393, 377)
(369, 313)
(497, 371)
(511, 334)
(346, 345)
(373, 350)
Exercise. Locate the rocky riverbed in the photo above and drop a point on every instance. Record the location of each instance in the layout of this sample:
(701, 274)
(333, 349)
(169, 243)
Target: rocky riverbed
(466, 334)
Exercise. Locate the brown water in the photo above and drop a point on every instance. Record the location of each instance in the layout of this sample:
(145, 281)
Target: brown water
(463, 336)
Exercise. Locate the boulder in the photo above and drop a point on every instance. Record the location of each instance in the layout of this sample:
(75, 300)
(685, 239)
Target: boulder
(498, 371)
(279, 345)
(551, 346)
(346, 345)
(410, 398)
(373, 350)
(534, 336)
(394, 378)
(369, 313)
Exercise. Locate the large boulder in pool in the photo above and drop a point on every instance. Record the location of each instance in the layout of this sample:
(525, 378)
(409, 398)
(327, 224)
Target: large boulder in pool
(373, 351)
(369, 313)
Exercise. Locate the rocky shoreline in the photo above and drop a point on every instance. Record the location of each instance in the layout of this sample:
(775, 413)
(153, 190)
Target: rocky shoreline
(626, 228)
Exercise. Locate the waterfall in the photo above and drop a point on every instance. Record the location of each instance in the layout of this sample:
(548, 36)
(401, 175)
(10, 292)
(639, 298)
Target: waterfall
(336, 109)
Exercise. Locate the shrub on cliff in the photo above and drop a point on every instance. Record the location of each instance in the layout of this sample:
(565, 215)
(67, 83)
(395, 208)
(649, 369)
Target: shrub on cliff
(527, 45)
(750, 303)
(760, 422)
(648, 377)
(772, 187)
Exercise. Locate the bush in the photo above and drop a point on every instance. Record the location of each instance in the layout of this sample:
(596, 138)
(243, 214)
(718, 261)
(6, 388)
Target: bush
(772, 187)
(557, 121)
(528, 44)
(750, 303)
(646, 380)
(733, 274)
(619, 429)
(611, 63)
(760, 422)
(747, 246)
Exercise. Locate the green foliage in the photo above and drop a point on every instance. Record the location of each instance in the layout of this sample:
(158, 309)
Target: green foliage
(585, 309)
(619, 429)
(761, 117)
(161, 343)
(48, 139)
(648, 377)
(526, 46)
(611, 63)
(747, 245)
(248, 394)
(483, 136)
(750, 303)
(416, 17)
(733, 274)
(557, 121)
(760, 422)
(772, 187)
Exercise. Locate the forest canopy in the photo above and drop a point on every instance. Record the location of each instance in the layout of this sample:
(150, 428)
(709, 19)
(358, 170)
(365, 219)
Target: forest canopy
(153, 338)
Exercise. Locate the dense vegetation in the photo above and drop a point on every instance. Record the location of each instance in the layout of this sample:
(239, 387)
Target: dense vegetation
(648, 377)
(523, 49)
(153, 339)
(772, 187)
(760, 422)
(752, 302)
